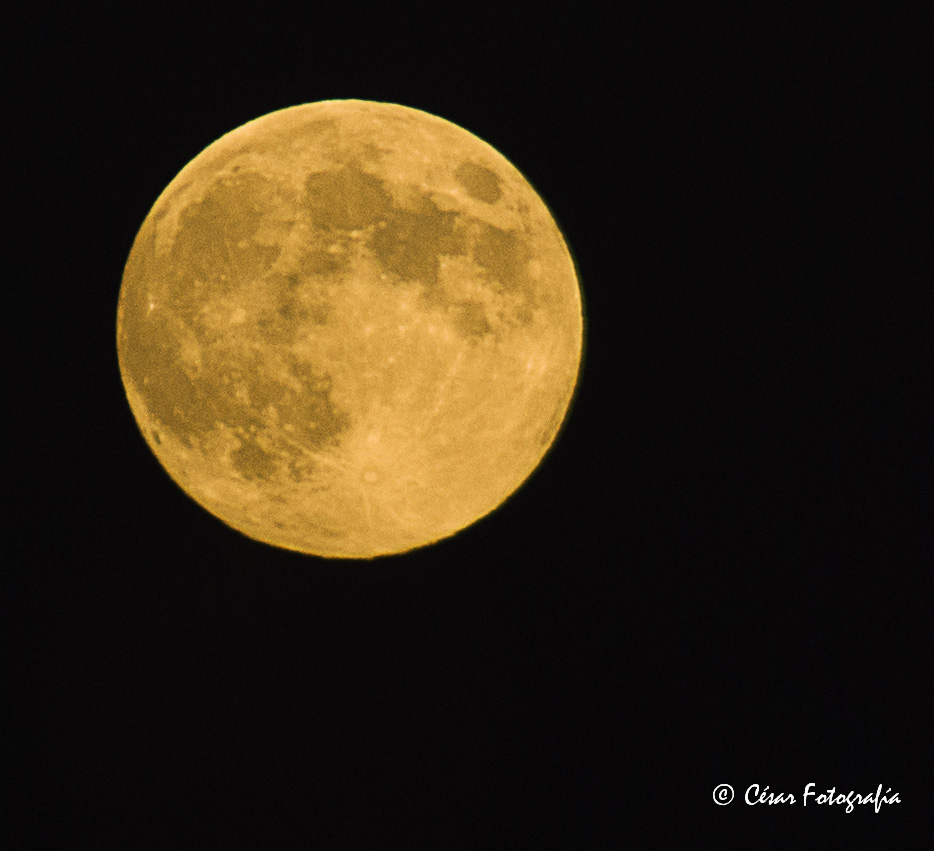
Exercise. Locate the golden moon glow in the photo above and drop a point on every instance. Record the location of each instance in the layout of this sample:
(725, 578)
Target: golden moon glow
(349, 329)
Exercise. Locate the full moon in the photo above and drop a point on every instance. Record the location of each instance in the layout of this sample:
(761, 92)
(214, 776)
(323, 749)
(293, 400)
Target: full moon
(349, 329)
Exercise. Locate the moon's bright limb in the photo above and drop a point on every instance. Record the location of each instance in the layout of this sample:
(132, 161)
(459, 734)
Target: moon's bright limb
(349, 329)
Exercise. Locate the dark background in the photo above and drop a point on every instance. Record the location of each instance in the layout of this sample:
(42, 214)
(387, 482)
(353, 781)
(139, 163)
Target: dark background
(721, 573)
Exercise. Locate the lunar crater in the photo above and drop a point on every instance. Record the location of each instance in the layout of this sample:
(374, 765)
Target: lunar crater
(479, 182)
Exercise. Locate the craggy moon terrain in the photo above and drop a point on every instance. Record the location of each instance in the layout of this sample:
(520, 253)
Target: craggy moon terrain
(349, 329)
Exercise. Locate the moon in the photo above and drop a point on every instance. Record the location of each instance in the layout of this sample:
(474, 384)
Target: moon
(349, 329)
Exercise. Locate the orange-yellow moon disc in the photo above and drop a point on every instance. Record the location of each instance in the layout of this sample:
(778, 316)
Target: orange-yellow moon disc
(349, 329)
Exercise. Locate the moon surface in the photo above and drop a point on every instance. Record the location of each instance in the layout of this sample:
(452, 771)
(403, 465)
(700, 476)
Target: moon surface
(349, 329)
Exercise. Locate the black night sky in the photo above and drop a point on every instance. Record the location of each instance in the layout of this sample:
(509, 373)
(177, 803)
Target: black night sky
(721, 573)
